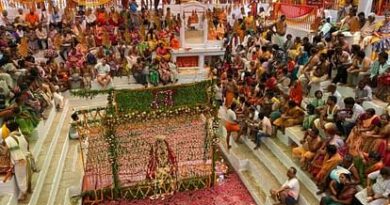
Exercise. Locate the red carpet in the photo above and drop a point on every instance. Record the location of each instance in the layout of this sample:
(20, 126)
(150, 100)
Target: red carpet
(231, 192)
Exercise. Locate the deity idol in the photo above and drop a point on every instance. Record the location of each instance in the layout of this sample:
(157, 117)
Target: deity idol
(162, 167)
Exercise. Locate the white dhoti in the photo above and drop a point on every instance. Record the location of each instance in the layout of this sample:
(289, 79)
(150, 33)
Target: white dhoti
(20, 168)
(58, 100)
(279, 40)
(362, 197)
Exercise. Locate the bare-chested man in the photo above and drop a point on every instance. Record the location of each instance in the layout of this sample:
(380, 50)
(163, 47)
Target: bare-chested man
(280, 31)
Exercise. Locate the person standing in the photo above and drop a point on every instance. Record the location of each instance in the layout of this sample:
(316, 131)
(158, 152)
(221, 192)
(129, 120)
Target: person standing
(231, 124)
(280, 31)
(288, 193)
(17, 146)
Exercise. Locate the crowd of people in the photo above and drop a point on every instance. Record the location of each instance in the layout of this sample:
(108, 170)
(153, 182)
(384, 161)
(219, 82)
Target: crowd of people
(263, 79)
(275, 81)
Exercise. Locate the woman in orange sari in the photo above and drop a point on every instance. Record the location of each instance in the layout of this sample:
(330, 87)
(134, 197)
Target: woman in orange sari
(368, 124)
(174, 42)
(331, 160)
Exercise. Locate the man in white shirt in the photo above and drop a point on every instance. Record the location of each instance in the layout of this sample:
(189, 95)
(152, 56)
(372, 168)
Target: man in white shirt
(41, 33)
(289, 192)
(90, 18)
(363, 92)
(378, 192)
(332, 89)
(347, 117)
(265, 129)
(103, 73)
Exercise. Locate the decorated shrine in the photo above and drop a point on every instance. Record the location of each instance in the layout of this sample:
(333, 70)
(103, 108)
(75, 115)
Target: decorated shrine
(140, 146)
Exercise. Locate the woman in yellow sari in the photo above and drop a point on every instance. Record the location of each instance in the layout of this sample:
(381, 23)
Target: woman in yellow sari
(292, 116)
(296, 49)
(368, 123)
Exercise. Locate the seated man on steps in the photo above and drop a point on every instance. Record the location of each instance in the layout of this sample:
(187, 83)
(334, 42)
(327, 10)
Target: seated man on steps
(103, 74)
(265, 129)
(289, 192)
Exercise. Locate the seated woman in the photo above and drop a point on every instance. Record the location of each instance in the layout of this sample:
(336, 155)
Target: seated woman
(382, 143)
(318, 103)
(292, 116)
(372, 162)
(332, 183)
(310, 116)
(316, 168)
(296, 92)
(174, 42)
(367, 123)
(75, 59)
(162, 52)
(310, 144)
(296, 48)
(331, 159)
(345, 195)
(382, 41)
(165, 74)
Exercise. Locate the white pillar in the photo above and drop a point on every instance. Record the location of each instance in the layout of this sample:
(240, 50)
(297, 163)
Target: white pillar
(205, 31)
(365, 6)
(182, 28)
(201, 61)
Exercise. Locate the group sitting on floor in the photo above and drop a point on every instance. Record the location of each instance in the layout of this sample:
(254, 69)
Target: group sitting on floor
(263, 79)
(273, 82)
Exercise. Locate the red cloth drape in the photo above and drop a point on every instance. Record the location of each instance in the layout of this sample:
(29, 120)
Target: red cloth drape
(187, 61)
(294, 11)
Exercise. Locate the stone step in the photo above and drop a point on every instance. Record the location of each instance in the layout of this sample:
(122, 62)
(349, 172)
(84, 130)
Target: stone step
(254, 174)
(293, 135)
(71, 175)
(53, 176)
(284, 154)
(8, 199)
(279, 170)
(46, 154)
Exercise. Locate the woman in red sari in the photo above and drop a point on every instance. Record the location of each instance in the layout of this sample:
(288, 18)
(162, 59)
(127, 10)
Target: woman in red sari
(296, 92)
(383, 144)
(367, 124)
